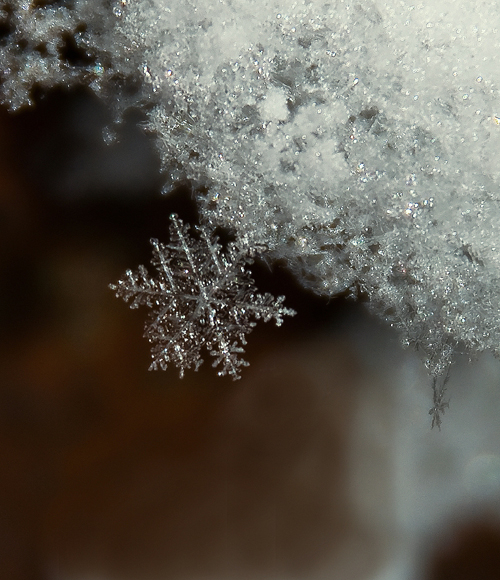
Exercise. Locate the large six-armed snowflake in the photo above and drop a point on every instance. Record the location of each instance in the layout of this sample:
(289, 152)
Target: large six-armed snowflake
(202, 298)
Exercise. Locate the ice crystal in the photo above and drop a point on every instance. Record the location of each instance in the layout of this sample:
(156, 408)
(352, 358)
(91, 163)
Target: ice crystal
(439, 403)
(202, 298)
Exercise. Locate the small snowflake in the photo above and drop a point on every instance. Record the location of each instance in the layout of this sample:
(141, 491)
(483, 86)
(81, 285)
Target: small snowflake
(202, 298)
(439, 403)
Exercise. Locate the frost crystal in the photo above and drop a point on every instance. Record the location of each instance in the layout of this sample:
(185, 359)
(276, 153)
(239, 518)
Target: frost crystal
(202, 298)
(439, 402)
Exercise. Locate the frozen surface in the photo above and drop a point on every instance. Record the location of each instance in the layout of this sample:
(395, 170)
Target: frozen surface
(357, 142)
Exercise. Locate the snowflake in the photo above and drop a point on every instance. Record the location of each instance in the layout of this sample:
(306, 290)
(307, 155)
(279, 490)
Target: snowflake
(202, 298)
(439, 402)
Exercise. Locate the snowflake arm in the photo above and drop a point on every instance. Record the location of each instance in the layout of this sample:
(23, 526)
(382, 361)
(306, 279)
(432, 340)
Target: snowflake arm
(203, 298)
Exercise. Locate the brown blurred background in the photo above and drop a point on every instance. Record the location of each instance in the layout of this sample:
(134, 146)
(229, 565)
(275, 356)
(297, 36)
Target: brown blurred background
(109, 471)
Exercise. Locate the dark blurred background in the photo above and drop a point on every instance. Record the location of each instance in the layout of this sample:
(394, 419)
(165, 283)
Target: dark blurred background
(110, 471)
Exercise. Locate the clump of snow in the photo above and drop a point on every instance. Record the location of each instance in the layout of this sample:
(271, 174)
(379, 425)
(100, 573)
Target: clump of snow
(357, 142)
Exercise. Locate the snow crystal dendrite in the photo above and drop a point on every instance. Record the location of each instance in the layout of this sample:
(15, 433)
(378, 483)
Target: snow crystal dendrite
(202, 298)
(440, 404)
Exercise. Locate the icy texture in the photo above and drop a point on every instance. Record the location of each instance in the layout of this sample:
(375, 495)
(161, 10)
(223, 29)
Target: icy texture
(203, 298)
(358, 142)
(45, 43)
